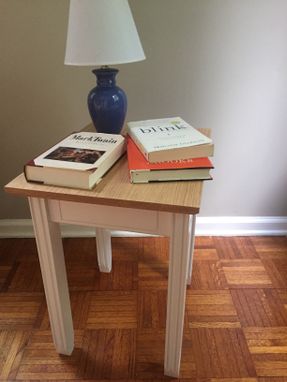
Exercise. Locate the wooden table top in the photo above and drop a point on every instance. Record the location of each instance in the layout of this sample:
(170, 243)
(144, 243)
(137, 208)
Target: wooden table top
(116, 190)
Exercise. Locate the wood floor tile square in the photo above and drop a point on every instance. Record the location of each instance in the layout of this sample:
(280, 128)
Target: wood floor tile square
(268, 347)
(273, 254)
(17, 250)
(258, 307)
(40, 361)
(154, 249)
(150, 355)
(19, 311)
(245, 247)
(108, 354)
(9, 248)
(221, 352)
(277, 270)
(211, 309)
(188, 364)
(127, 248)
(269, 243)
(81, 251)
(204, 242)
(81, 277)
(271, 248)
(124, 276)
(152, 309)
(152, 275)
(205, 254)
(80, 304)
(12, 344)
(235, 248)
(207, 275)
(246, 273)
(27, 278)
(109, 310)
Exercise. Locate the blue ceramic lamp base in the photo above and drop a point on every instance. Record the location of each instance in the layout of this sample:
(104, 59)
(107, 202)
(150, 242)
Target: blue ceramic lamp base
(107, 102)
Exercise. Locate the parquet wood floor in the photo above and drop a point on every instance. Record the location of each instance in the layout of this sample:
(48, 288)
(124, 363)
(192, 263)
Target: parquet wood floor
(235, 322)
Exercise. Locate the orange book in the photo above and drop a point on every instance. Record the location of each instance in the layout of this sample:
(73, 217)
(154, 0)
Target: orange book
(142, 171)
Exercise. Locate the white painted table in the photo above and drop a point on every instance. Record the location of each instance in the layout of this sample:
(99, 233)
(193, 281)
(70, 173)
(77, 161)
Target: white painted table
(167, 209)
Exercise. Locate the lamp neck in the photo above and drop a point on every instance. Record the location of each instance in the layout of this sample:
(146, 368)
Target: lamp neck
(106, 77)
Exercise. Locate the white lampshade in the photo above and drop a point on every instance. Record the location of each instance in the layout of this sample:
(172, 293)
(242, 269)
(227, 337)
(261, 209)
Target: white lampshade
(102, 32)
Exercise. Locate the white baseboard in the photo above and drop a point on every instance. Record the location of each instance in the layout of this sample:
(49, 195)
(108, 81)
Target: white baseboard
(241, 226)
(205, 226)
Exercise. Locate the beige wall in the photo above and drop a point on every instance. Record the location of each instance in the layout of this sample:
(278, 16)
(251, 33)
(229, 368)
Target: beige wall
(217, 63)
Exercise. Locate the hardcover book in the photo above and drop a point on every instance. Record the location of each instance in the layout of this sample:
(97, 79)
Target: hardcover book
(78, 161)
(142, 171)
(169, 139)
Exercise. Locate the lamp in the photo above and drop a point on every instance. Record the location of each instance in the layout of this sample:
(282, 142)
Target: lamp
(102, 33)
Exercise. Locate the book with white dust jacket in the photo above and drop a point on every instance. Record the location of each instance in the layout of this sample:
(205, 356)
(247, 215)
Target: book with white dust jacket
(78, 161)
(169, 139)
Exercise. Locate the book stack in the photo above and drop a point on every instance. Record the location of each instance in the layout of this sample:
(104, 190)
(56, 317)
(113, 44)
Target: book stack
(167, 149)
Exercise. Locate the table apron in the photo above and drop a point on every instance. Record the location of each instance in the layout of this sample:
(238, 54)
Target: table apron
(110, 217)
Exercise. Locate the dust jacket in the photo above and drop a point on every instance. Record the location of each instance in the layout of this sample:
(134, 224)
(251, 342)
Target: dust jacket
(169, 139)
(142, 171)
(78, 161)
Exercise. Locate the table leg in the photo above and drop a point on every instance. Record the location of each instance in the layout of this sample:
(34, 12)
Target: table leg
(178, 263)
(52, 263)
(104, 249)
(192, 221)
